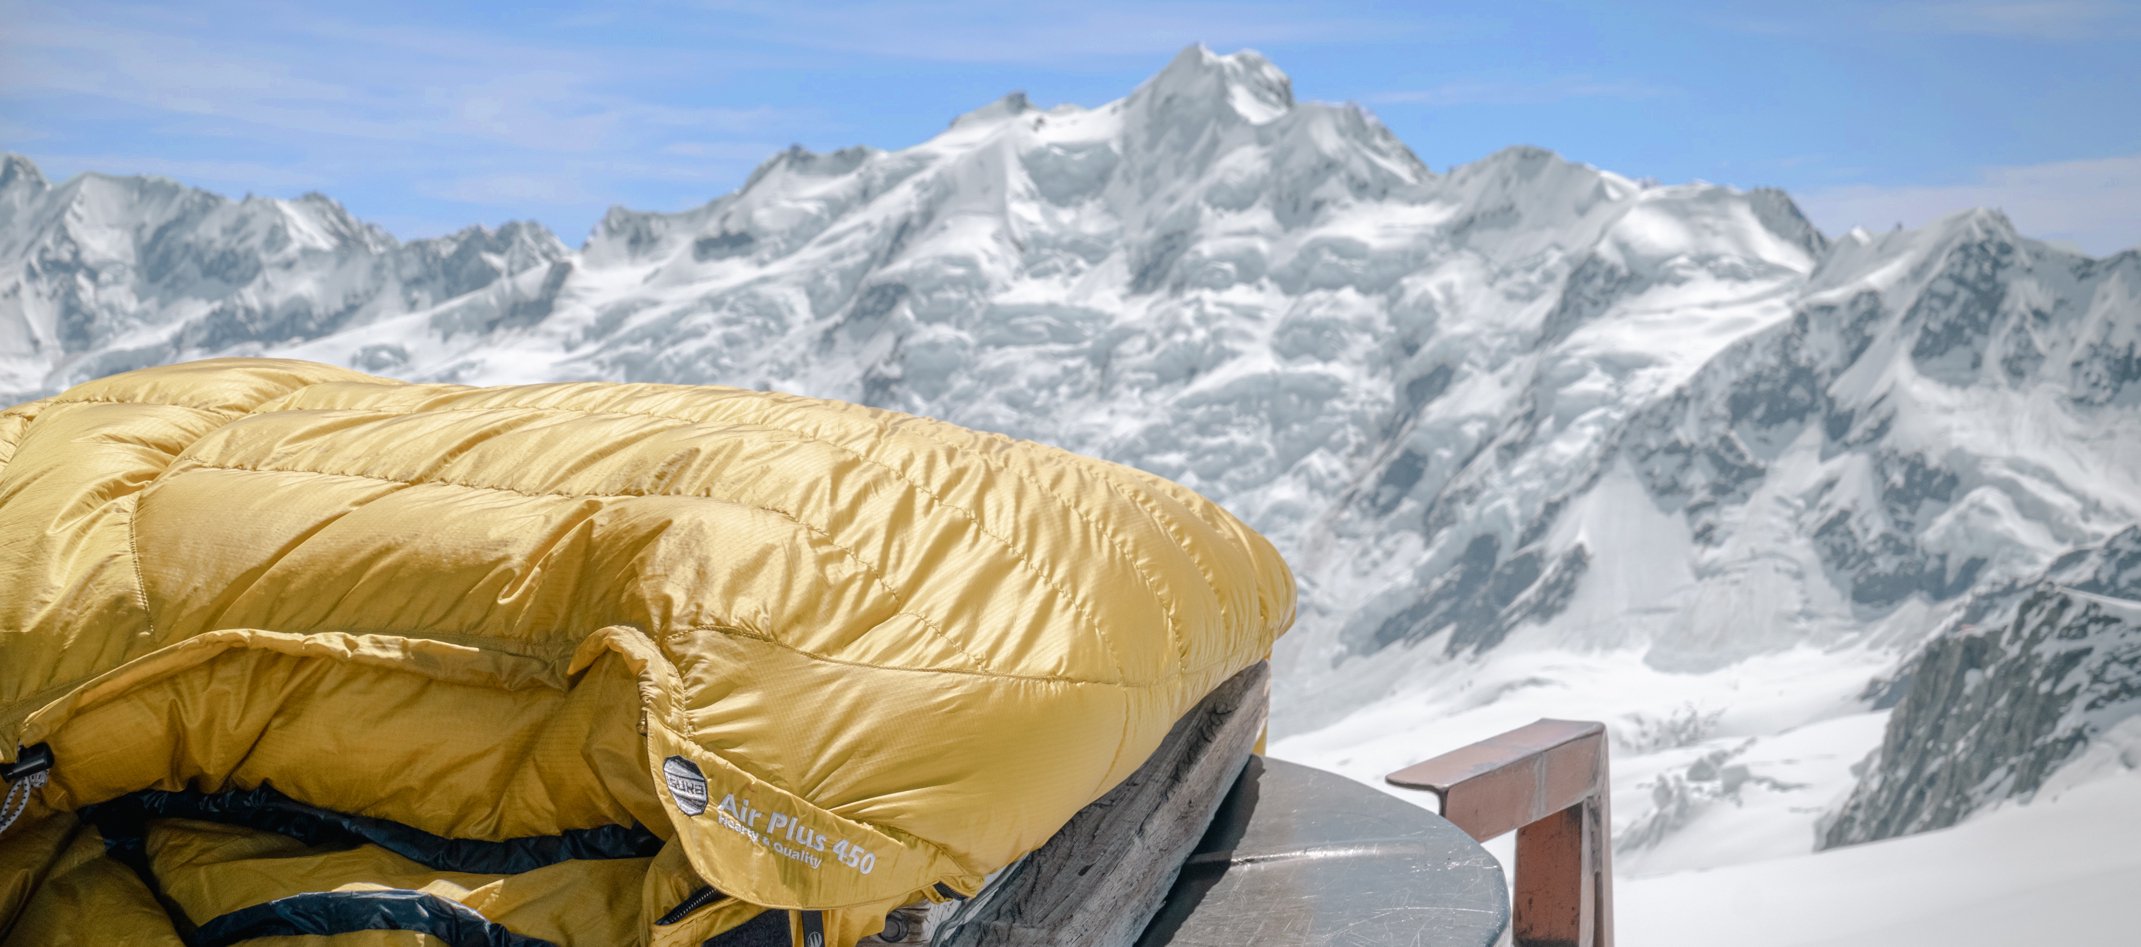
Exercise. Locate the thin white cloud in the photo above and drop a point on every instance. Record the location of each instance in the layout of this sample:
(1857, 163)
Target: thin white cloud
(321, 102)
(347, 80)
(2030, 19)
(1050, 32)
(2094, 204)
(1531, 92)
(2043, 20)
(12, 134)
(589, 18)
(173, 73)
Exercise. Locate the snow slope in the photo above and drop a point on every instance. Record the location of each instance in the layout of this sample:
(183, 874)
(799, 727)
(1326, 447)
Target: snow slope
(1540, 440)
(2059, 871)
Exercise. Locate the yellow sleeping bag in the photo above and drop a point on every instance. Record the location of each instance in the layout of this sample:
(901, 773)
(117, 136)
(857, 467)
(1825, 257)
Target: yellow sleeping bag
(288, 651)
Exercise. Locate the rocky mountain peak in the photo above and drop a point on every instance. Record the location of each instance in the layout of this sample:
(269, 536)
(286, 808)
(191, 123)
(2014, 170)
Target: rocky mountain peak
(1782, 216)
(1527, 177)
(1202, 86)
(18, 172)
(1011, 105)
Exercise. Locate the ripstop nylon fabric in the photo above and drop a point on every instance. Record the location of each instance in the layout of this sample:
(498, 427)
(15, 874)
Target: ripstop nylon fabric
(898, 653)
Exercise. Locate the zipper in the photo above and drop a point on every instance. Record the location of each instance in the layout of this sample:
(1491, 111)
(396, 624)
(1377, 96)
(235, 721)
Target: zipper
(692, 902)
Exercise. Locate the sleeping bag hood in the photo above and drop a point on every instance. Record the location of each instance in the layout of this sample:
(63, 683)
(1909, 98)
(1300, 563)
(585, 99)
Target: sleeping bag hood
(288, 650)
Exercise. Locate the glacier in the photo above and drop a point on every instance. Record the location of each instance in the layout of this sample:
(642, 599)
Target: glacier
(1539, 439)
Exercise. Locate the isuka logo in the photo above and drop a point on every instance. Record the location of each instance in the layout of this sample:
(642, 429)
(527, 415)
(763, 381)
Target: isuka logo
(686, 784)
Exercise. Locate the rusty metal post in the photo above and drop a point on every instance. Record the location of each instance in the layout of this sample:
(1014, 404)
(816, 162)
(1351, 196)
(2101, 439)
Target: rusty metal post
(1548, 782)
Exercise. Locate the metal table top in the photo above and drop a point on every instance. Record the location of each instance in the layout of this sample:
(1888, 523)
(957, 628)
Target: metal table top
(1298, 857)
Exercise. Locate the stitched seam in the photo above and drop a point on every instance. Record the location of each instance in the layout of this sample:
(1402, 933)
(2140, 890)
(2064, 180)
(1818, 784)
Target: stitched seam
(235, 412)
(145, 404)
(1113, 539)
(990, 674)
(556, 653)
(983, 669)
(13, 445)
(133, 552)
(729, 632)
(517, 648)
(1077, 603)
(685, 731)
(1199, 510)
(1211, 581)
(28, 704)
(133, 512)
(865, 565)
(520, 648)
(1053, 581)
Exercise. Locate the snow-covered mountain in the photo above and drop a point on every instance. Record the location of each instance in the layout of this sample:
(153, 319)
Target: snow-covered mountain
(105, 274)
(1539, 439)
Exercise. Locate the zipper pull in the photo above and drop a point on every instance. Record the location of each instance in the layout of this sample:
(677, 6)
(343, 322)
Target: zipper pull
(30, 771)
(29, 762)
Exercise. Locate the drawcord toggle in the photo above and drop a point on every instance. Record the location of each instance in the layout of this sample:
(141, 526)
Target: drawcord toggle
(30, 771)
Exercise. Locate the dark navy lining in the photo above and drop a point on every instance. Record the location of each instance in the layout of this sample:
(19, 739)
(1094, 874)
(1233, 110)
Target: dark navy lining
(328, 913)
(264, 808)
(323, 913)
(764, 929)
(123, 842)
(123, 822)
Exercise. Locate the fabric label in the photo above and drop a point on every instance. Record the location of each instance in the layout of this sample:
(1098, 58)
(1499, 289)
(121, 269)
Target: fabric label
(789, 836)
(686, 784)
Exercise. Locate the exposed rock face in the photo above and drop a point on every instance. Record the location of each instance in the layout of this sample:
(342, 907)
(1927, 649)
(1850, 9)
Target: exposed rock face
(2029, 677)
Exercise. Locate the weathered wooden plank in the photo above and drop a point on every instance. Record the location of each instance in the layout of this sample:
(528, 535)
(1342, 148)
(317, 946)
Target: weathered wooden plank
(1505, 782)
(1102, 877)
(1554, 883)
(1549, 782)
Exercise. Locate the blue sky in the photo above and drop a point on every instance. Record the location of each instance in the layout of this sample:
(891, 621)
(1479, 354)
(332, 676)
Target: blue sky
(427, 117)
